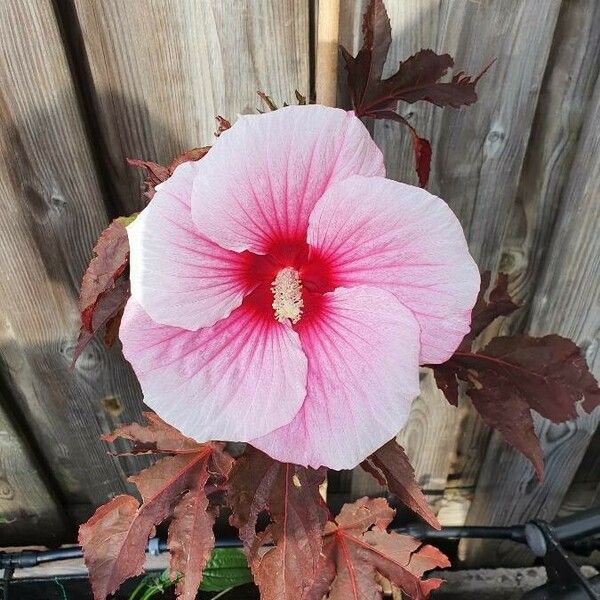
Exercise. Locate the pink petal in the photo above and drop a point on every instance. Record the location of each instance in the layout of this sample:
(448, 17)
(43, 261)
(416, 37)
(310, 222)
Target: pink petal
(236, 380)
(378, 232)
(363, 373)
(260, 181)
(178, 275)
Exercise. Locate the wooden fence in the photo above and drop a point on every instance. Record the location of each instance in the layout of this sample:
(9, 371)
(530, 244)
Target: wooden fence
(86, 83)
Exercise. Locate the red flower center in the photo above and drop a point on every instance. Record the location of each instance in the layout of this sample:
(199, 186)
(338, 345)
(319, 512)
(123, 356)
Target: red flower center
(284, 263)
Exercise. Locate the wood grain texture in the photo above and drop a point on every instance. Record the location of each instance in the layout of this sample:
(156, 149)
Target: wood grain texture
(568, 83)
(478, 151)
(567, 301)
(162, 70)
(573, 66)
(51, 212)
(29, 511)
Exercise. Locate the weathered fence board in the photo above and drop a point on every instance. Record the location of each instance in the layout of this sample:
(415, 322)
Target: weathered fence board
(567, 301)
(161, 71)
(51, 213)
(480, 180)
(28, 510)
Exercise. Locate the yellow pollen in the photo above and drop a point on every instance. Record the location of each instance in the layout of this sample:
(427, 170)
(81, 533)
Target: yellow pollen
(287, 295)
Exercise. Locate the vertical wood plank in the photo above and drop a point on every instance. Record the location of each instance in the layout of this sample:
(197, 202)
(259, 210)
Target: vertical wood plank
(478, 151)
(162, 70)
(572, 68)
(567, 301)
(51, 214)
(29, 512)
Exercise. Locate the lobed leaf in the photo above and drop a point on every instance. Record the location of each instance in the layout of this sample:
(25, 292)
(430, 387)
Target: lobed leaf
(156, 173)
(105, 287)
(154, 437)
(191, 538)
(357, 548)
(267, 100)
(514, 374)
(114, 539)
(391, 467)
(491, 303)
(290, 495)
(222, 125)
(417, 78)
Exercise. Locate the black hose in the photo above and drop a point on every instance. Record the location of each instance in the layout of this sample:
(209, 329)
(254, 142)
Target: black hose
(515, 533)
(580, 525)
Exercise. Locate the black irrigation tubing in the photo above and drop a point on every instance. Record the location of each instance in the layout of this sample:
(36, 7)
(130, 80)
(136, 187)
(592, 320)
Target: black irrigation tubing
(25, 558)
(31, 558)
(569, 530)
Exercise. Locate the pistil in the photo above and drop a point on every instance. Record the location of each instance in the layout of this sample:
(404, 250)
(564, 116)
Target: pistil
(287, 295)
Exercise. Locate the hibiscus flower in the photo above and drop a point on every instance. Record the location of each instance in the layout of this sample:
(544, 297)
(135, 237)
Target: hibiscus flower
(284, 293)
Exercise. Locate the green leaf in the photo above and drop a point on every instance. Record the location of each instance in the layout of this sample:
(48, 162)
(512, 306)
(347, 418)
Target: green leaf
(125, 221)
(226, 568)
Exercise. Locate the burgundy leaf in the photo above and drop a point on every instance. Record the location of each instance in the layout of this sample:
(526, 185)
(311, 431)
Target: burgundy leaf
(491, 303)
(191, 538)
(268, 101)
(156, 173)
(421, 146)
(156, 437)
(113, 548)
(111, 257)
(365, 70)
(513, 374)
(357, 547)
(290, 495)
(105, 287)
(391, 467)
(300, 98)
(446, 380)
(114, 539)
(417, 78)
(222, 125)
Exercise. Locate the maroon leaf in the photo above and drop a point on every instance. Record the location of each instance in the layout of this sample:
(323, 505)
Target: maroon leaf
(513, 374)
(222, 125)
(156, 173)
(191, 538)
(105, 287)
(365, 70)
(290, 495)
(391, 467)
(300, 98)
(357, 547)
(107, 312)
(491, 303)
(156, 437)
(417, 78)
(421, 146)
(268, 101)
(446, 379)
(114, 539)
(111, 256)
